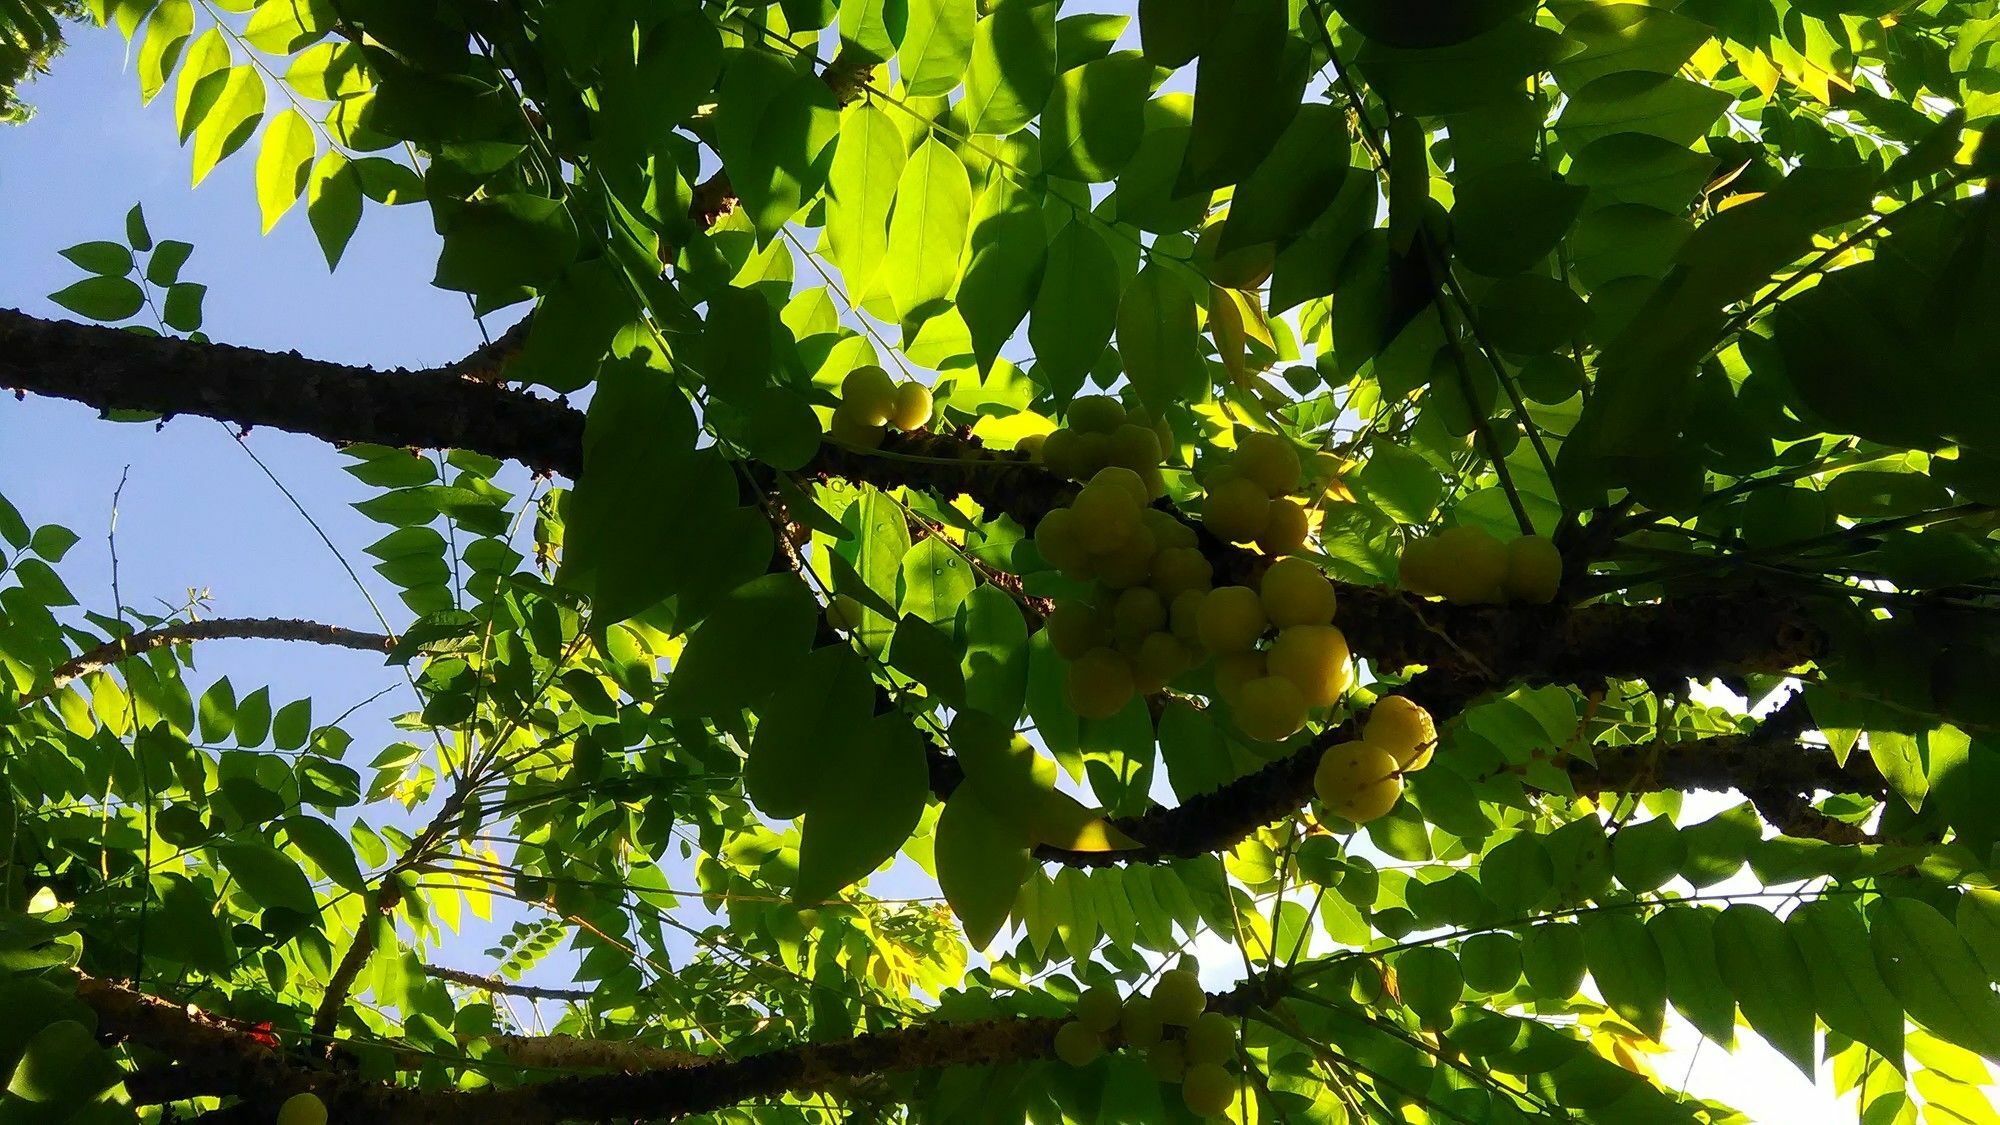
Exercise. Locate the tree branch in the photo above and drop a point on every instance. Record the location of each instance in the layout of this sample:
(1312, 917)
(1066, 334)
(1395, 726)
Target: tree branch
(237, 628)
(510, 988)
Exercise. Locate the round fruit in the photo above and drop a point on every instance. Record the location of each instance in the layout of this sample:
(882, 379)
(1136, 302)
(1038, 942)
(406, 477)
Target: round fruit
(1185, 616)
(1349, 767)
(1179, 569)
(1078, 1045)
(1135, 446)
(1167, 530)
(1233, 670)
(1418, 565)
(1167, 1060)
(912, 408)
(850, 426)
(1095, 414)
(1160, 659)
(1471, 565)
(843, 612)
(1059, 537)
(1402, 728)
(1139, 1023)
(1122, 477)
(302, 1109)
(1098, 1008)
(1096, 454)
(1236, 509)
(1534, 570)
(1106, 515)
(1269, 460)
(1294, 592)
(1099, 683)
(1369, 802)
(1030, 446)
(1074, 629)
(1231, 619)
(1177, 997)
(1285, 527)
(1211, 1039)
(1208, 1089)
(1315, 659)
(1270, 709)
(870, 393)
(1137, 613)
(1128, 564)
(1063, 451)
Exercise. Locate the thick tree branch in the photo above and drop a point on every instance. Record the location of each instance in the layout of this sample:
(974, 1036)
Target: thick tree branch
(237, 628)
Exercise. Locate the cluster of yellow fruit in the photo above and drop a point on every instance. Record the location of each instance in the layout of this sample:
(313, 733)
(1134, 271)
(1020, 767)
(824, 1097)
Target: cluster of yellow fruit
(1303, 667)
(1468, 566)
(871, 402)
(1362, 780)
(1249, 496)
(1144, 566)
(1102, 432)
(1183, 1041)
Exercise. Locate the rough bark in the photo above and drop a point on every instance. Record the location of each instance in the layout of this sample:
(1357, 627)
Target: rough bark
(239, 628)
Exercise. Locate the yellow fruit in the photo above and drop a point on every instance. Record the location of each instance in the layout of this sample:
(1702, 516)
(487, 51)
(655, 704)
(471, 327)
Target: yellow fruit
(850, 426)
(1402, 728)
(1369, 802)
(1177, 997)
(1135, 446)
(1095, 414)
(1270, 709)
(1208, 1089)
(302, 1109)
(1167, 1060)
(1137, 613)
(869, 393)
(1211, 1039)
(1099, 683)
(1349, 767)
(1106, 515)
(912, 408)
(1469, 565)
(1096, 453)
(1128, 564)
(1231, 619)
(1534, 570)
(1177, 570)
(1236, 509)
(1294, 592)
(1122, 477)
(1098, 1008)
(1078, 1045)
(1160, 659)
(1030, 445)
(1139, 1023)
(1315, 659)
(1269, 460)
(1059, 537)
(1185, 616)
(1285, 527)
(843, 612)
(1064, 453)
(1417, 567)
(1074, 629)
(1167, 530)
(1235, 669)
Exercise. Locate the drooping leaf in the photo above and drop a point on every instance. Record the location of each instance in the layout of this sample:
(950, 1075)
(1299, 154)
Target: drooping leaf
(869, 803)
(927, 231)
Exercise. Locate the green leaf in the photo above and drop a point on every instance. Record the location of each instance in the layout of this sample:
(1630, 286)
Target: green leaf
(1431, 983)
(1297, 183)
(168, 28)
(775, 128)
(101, 298)
(328, 72)
(163, 267)
(1509, 217)
(1426, 23)
(1627, 37)
(1004, 269)
(325, 846)
(268, 876)
(181, 311)
(217, 711)
(1666, 106)
(871, 800)
(1928, 967)
(333, 204)
(803, 729)
(1095, 117)
(873, 28)
(189, 930)
(644, 100)
(283, 164)
(1076, 309)
(1626, 964)
(1685, 937)
(1491, 962)
(109, 259)
(860, 187)
(925, 653)
(1717, 847)
(1848, 990)
(1466, 75)
(1246, 90)
(62, 1067)
(1979, 925)
(136, 234)
(503, 241)
(202, 78)
(1762, 966)
(284, 27)
(253, 718)
(982, 862)
(937, 47)
(927, 231)
(573, 327)
(936, 581)
(1173, 32)
(238, 107)
(1644, 856)
(1312, 265)
(1159, 338)
(292, 725)
(751, 641)
(1013, 66)
(996, 654)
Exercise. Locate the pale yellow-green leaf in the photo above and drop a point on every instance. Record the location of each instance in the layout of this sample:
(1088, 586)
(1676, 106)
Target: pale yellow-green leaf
(230, 121)
(928, 229)
(201, 79)
(283, 164)
(172, 22)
